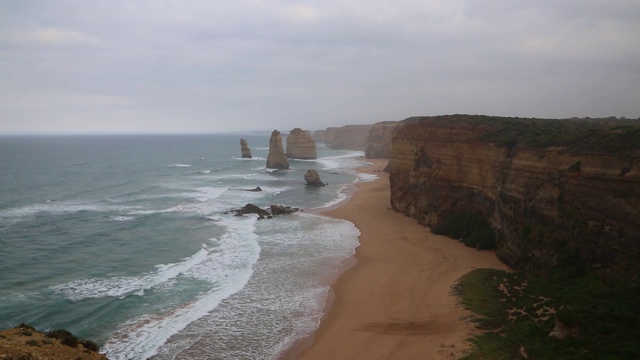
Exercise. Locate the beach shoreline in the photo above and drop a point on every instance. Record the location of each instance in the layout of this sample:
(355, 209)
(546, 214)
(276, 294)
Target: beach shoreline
(393, 298)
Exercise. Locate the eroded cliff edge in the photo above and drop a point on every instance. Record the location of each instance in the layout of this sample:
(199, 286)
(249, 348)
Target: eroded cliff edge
(553, 191)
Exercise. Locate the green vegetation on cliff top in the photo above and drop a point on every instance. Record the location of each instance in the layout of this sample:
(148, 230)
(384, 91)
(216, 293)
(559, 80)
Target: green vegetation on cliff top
(612, 135)
(515, 311)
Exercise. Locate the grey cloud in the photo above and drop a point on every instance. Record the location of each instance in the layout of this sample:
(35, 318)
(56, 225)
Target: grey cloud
(193, 66)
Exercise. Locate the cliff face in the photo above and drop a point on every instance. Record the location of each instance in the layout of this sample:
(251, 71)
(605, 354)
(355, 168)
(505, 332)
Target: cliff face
(548, 205)
(300, 145)
(318, 135)
(349, 137)
(276, 159)
(379, 140)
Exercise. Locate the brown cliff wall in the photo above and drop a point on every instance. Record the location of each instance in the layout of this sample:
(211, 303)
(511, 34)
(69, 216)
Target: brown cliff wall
(379, 140)
(349, 137)
(300, 145)
(548, 205)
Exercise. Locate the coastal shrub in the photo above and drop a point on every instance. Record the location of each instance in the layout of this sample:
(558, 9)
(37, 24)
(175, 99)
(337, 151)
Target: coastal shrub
(471, 228)
(64, 336)
(607, 315)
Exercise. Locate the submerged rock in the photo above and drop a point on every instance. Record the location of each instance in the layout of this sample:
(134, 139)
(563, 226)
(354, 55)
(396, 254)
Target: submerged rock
(276, 159)
(244, 148)
(313, 178)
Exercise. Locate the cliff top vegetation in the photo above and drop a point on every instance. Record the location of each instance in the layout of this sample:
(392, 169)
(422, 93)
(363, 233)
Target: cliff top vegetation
(612, 135)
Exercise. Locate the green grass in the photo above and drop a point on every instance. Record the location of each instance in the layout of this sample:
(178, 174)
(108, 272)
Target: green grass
(607, 316)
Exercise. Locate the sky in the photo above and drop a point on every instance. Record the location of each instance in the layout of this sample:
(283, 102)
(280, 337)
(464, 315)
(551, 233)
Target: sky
(196, 66)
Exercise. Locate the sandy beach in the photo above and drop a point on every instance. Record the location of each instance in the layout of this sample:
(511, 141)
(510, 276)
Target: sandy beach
(396, 301)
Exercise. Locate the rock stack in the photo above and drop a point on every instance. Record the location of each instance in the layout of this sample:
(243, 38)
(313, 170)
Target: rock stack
(276, 159)
(244, 148)
(300, 145)
(313, 178)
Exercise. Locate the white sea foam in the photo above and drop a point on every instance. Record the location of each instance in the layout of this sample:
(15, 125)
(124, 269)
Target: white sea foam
(367, 177)
(228, 269)
(121, 286)
(342, 196)
(121, 218)
(25, 213)
(180, 165)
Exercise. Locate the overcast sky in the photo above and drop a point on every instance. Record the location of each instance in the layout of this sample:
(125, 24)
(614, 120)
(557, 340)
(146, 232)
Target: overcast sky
(209, 66)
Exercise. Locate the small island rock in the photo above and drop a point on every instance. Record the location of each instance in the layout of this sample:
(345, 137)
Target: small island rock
(313, 178)
(244, 148)
(300, 145)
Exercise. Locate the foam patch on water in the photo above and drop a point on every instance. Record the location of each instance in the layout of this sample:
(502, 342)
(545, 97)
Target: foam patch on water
(25, 213)
(227, 269)
(181, 165)
(367, 177)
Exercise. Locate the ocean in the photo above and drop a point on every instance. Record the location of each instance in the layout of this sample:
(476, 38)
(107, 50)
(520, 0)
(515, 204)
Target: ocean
(129, 241)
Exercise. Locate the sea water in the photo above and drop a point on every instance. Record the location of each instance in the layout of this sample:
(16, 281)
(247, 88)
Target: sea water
(129, 241)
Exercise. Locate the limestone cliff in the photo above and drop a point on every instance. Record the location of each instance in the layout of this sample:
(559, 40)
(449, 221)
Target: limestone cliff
(244, 149)
(349, 137)
(318, 135)
(300, 145)
(554, 191)
(276, 159)
(379, 140)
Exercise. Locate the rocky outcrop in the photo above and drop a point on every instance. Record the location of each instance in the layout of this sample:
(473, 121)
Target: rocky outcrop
(276, 159)
(262, 213)
(25, 342)
(349, 137)
(554, 192)
(300, 145)
(313, 178)
(244, 149)
(379, 140)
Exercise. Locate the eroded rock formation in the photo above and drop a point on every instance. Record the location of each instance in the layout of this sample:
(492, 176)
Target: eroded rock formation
(552, 194)
(349, 137)
(300, 145)
(277, 159)
(313, 178)
(379, 140)
(244, 149)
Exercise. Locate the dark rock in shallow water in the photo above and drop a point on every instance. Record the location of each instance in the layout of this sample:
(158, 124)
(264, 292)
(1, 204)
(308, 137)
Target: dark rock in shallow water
(282, 210)
(313, 178)
(244, 148)
(252, 209)
(257, 189)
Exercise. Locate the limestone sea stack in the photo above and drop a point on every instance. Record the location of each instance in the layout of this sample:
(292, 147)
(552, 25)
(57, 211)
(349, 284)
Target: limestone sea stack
(313, 178)
(276, 159)
(244, 148)
(300, 145)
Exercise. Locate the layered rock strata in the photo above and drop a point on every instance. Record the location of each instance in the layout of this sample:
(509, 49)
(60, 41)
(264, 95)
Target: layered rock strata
(300, 145)
(555, 203)
(277, 159)
(379, 140)
(244, 149)
(349, 137)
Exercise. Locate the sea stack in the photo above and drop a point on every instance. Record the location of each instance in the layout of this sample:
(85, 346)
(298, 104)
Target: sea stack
(313, 178)
(277, 159)
(244, 148)
(300, 145)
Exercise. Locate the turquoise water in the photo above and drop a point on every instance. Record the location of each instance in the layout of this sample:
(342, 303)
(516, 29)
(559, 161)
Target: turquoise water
(128, 240)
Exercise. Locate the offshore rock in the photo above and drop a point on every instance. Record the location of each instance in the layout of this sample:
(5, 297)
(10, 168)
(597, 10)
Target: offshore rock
(252, 209)
(244, 148)
(300, 145)
(318, 135)
(276, 159)
(313, 178)
(282, 210)
(555, 192)
(379, 140)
